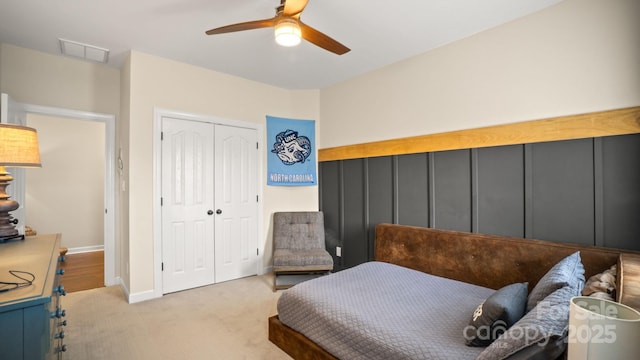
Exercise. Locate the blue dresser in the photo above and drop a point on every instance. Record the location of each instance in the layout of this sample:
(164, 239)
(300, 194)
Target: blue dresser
(31, 316)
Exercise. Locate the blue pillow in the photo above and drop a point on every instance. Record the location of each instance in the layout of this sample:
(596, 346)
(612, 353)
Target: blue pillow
(496, 314)
(540, 334)
(567, 272)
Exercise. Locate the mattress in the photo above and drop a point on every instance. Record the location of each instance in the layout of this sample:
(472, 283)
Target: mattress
(383, 311)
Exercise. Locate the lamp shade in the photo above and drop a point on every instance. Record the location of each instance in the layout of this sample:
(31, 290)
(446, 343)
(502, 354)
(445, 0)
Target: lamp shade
(287, 32)
(602, 329)
(19, 146)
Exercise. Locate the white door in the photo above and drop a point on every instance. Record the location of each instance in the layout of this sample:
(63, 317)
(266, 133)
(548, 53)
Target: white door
(187, 204)
(236, 202)
(12, 112)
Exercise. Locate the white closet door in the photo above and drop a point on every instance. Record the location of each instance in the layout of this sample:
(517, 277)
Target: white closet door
(236, 202)
(187, 204)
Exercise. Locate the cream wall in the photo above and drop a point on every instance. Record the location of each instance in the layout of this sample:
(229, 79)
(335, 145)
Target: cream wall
(39, 78)
(166, 84)
(66, 195)
(575, 57)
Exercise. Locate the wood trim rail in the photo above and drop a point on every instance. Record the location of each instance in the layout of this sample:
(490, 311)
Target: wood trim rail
(596, 124)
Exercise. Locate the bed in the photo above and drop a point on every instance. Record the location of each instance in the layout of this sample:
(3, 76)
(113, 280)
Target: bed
(415, 300)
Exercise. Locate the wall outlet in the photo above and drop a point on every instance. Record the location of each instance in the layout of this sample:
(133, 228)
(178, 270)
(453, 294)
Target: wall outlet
(338, 251)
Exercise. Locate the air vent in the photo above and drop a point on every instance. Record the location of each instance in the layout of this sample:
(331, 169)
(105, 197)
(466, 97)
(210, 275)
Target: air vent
(84, 51)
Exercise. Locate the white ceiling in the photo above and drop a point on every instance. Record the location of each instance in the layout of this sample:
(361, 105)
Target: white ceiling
(378, 32)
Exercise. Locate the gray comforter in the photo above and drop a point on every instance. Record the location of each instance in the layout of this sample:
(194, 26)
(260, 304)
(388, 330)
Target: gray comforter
(382, 311)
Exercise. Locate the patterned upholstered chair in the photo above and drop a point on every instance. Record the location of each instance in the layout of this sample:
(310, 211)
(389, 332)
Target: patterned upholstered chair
(299, 249)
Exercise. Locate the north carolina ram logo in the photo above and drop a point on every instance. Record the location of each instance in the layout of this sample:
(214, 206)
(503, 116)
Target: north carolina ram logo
(291, 148)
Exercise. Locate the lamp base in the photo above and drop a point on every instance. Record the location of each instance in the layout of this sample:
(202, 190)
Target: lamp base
(8, 230)
(4, 239)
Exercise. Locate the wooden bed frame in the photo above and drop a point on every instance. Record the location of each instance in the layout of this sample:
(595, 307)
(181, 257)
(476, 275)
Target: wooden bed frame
(473, 258)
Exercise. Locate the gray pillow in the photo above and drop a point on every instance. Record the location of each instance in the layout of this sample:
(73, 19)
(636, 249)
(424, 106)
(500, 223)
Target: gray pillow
(541, 333)
(496, 314)
(568, 271)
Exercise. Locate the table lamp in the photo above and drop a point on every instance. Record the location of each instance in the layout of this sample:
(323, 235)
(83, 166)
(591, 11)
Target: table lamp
(18, 148)
(602, 329)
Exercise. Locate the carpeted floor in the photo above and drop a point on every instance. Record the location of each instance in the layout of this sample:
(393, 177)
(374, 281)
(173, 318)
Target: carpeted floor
(221, 321)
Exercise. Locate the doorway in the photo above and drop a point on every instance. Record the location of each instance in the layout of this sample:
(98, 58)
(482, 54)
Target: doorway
(209, 211)
(108, 162)
(66, 195)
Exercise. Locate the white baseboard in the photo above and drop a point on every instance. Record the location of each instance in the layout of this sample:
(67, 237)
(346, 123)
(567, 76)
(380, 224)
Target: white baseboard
(84, 249)
(142, 296)
(124, 288)
(266, 270)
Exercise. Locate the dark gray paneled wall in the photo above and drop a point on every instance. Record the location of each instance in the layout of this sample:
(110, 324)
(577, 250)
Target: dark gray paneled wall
(583, 191)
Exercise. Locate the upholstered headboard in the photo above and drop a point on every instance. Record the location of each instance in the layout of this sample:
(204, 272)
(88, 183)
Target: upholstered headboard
(486, 260)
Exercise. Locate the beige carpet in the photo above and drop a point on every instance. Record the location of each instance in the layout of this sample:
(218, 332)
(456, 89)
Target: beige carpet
(221, 321)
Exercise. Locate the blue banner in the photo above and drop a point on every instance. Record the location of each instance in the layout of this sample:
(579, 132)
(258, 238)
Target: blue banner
(291, 157)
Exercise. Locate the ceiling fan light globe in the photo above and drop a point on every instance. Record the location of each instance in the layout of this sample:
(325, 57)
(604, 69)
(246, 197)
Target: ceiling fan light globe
(287, 33)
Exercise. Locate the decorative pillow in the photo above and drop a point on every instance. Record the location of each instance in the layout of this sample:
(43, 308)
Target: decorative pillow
(602, 285)
(568, 271)
(541, 333)
(496, 314)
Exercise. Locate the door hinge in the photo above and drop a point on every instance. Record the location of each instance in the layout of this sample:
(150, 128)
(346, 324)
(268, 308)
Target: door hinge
(161, 266)
(256, 145)
(257, 198)
(161, 201)
(161, 135)
(257, 252)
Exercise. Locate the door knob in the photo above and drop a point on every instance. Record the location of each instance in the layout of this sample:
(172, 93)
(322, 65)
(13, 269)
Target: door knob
(210, 212)
(218, 211)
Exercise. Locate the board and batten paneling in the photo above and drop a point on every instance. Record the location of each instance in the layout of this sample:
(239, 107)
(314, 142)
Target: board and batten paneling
(356, 250)
(582, 190)
(618, 192)
(331, 197)
(498, 190)
(559, 178)
(451, 190)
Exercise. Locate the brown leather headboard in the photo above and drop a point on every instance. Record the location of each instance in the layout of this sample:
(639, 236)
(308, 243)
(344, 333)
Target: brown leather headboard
(486, 260)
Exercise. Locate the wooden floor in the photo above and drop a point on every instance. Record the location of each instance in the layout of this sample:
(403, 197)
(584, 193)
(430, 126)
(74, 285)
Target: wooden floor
(83, 271)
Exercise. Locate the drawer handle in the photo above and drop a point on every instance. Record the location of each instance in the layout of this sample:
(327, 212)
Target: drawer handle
(60, 272)
(60, 290)
(59, 335)
(58, 313)
(62, 348)
(62, 323)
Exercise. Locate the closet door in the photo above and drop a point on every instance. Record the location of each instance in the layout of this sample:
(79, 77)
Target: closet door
(209, 203)
(236, 202)
(187, 204)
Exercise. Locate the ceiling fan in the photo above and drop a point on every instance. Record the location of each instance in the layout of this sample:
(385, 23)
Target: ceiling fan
(288, 28)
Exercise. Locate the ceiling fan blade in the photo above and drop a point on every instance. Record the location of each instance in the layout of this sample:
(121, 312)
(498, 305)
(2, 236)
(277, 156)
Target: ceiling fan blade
(319, 39)
(249, 25)
(293, 8)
